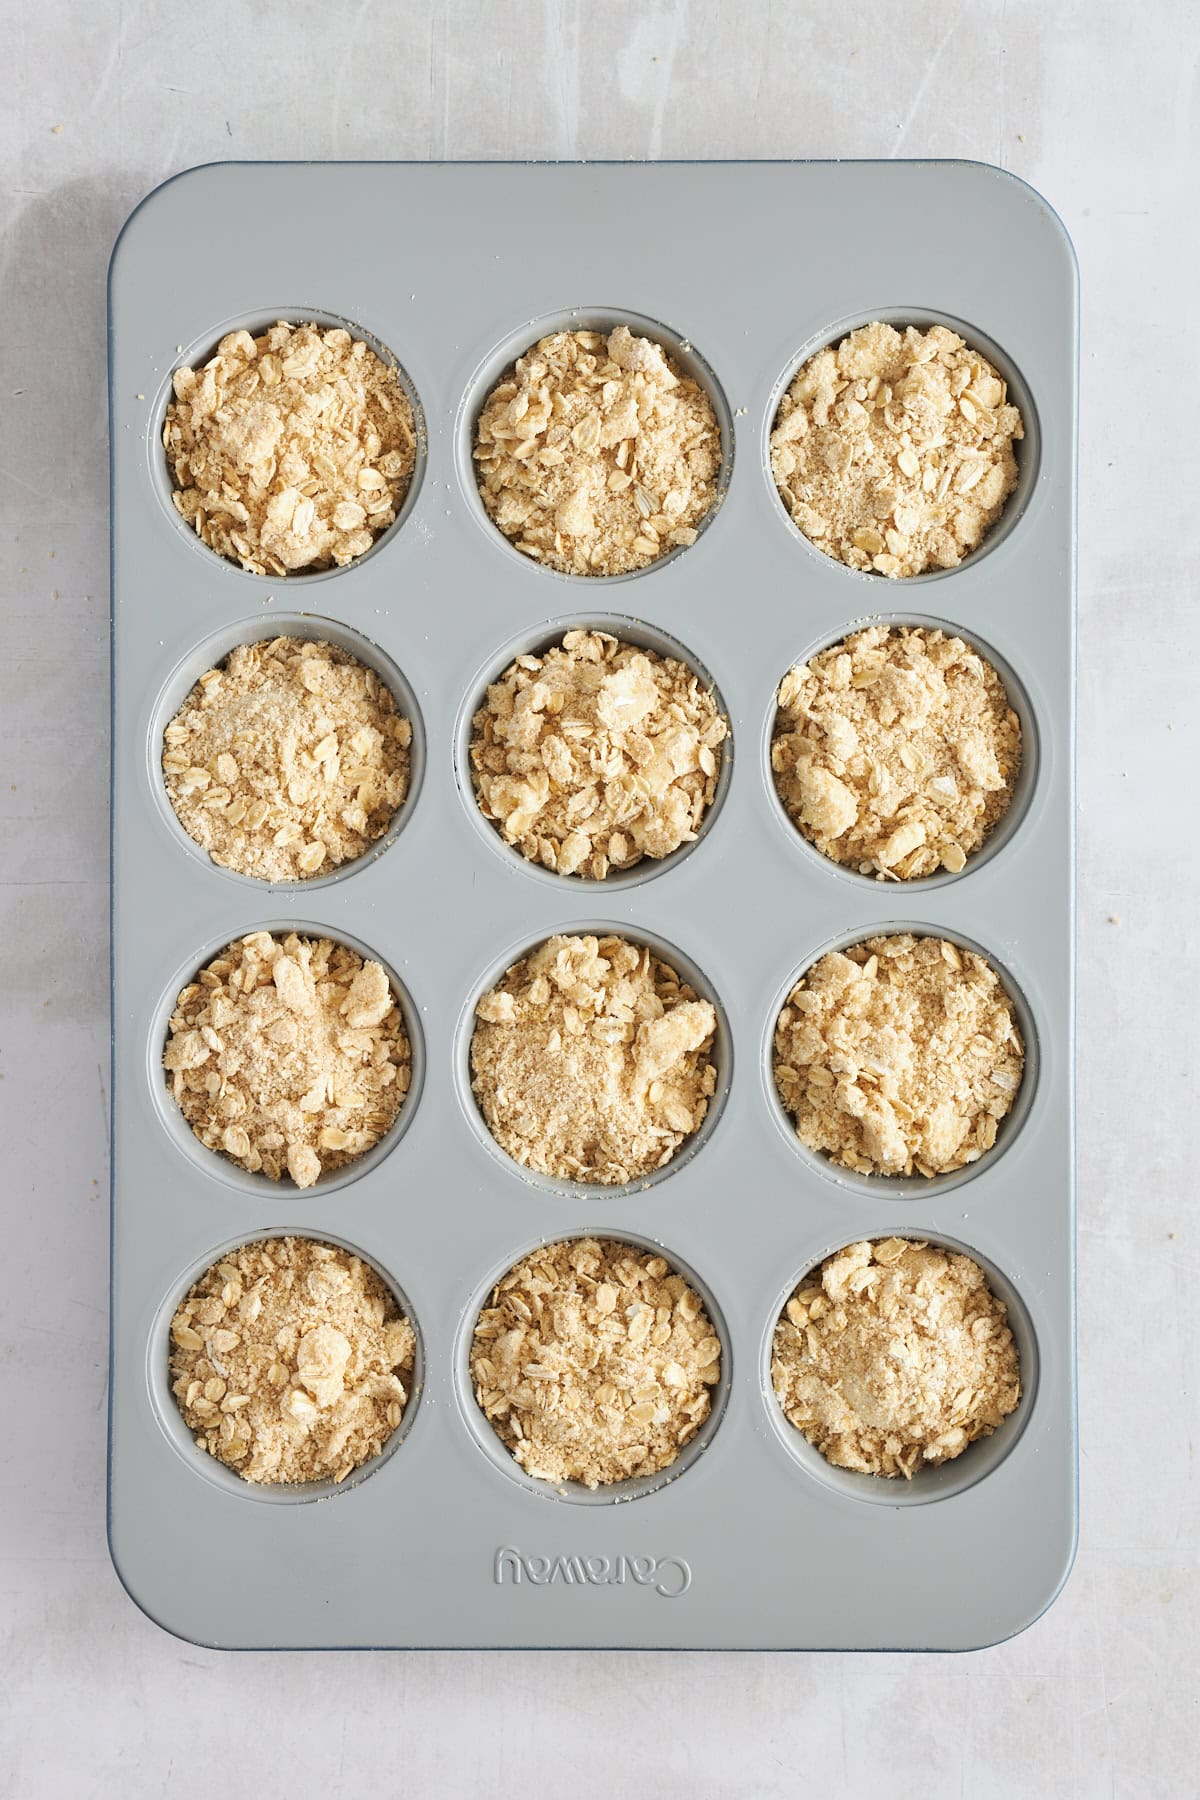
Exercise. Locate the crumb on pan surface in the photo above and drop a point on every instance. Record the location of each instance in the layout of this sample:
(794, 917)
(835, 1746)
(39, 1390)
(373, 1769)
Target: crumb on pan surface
(595, 454)
(594, 1362)
(899, 1055)
(292, 450)
(894, 1355)
(287, 759)
(288, 1055)
(596, 754)
(590, 1060)
(896, 751)
(290, 1361)
(893, 452)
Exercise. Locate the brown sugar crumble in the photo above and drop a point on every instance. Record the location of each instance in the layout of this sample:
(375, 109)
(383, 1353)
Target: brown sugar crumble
(595, 453)
(290, 1361)
(894, 453)
(590, 1060)
(896, 751)
(899, 1055)
(594, 1362)
(288, 1054)
(596, 754)
(893, 1355)
(287, 759)
(292, 450)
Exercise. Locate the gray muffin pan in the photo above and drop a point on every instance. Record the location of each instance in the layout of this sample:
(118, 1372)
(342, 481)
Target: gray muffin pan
(751, 1539)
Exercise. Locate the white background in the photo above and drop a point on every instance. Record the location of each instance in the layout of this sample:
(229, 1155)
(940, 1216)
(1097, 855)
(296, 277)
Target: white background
(1097, 103)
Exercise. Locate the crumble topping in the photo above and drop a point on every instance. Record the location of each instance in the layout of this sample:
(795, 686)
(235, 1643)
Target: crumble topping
(894, 453)
(287, 760)
(290, 1361)
(595, 454)
(899, 1055)
(288, 1055)
(292, 450)
(893, 1355)
(594, 1362)
(896, 751)
(597, 754)
(590, 1060)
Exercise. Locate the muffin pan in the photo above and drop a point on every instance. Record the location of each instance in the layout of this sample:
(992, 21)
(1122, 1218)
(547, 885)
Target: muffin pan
(750, 1540)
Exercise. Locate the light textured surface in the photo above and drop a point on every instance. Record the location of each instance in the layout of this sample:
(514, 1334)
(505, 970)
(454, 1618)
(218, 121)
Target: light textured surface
(1098, 1698)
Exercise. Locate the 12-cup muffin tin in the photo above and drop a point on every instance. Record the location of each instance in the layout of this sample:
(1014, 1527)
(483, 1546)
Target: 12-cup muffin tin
(751, 1539)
